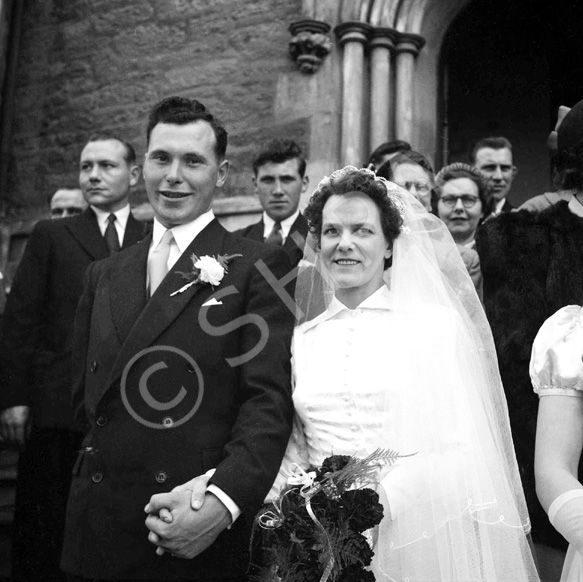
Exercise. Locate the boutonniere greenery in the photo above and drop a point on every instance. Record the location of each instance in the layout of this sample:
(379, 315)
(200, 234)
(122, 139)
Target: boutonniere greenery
(206, 270)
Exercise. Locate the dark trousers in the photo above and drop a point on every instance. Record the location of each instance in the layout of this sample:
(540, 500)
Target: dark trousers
(42, 487)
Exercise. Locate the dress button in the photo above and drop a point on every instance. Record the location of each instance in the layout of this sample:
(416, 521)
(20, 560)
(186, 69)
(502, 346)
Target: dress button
(161, 476)
(93, 367)
(97, 477)
(167, 422)
(101, 420)
(354, 313)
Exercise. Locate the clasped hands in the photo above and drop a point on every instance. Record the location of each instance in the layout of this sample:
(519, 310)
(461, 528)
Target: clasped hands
(187, 520)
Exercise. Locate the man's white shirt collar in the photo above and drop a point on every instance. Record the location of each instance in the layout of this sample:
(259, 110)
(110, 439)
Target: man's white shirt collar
(285, 224)
(575, 206)
(183, 234)
(500, 205)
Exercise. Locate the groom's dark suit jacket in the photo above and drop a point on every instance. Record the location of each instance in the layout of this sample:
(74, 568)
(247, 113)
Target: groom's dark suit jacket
(35, 347)
(163, 395)
(295, 252)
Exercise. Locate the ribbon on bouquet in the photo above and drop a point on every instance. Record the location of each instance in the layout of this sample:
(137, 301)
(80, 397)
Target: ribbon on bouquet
(274, 518)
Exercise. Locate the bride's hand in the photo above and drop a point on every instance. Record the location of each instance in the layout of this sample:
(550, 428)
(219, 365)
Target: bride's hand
(198, 486)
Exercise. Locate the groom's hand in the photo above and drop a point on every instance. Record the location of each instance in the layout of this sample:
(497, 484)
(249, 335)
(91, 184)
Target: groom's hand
(190, 532)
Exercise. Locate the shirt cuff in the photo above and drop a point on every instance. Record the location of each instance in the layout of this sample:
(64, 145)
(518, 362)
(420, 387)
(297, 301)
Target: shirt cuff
(226, 501)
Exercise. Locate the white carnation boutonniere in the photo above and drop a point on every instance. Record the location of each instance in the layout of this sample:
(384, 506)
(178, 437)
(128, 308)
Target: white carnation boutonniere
(206, 270)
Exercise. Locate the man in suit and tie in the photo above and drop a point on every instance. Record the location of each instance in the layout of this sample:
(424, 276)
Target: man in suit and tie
(35, 349)
(279, 178)
(181, 365)
(493, 157)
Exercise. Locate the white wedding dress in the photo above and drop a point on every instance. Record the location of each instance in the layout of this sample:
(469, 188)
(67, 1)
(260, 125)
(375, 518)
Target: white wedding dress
(413, 369)
(375, 377)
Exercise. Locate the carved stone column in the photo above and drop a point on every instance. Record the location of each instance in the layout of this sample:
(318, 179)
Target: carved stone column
(381, 46)
(408, 47)
(352, 36)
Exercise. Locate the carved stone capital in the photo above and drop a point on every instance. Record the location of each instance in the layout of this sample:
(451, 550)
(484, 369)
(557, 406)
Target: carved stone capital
(309, 44)
(353, 32)
(407, 42)
(382, 37)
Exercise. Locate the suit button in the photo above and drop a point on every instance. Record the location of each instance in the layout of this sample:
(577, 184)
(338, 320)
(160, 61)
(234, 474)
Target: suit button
(101, 420)
(97, 477)
(93, 366)
(161, 476)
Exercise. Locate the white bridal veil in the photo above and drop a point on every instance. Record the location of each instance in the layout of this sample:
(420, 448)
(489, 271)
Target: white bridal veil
(457, 509)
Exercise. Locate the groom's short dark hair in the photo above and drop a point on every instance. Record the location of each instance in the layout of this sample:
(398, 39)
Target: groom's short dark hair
(180, 111)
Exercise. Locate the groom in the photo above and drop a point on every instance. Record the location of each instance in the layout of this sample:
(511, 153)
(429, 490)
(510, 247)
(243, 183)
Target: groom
(178, 373)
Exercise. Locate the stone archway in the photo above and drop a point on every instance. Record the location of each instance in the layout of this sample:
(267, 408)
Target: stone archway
(390, 71)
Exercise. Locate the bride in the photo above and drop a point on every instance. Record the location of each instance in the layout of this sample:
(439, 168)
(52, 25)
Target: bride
(392, 350)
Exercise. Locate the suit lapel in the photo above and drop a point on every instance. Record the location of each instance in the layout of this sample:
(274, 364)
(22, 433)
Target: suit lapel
(127, 291)
(86, 231)
(134, 232)
(161, 310)
(299, 226)
(256, 232)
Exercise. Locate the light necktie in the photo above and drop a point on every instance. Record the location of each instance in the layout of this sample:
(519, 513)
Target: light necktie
(158, 261)
(110, 236)
(275, 237)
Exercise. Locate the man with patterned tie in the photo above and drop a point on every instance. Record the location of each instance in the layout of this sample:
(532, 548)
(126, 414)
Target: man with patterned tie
(181, 365)
(279, 178)
(35, 349)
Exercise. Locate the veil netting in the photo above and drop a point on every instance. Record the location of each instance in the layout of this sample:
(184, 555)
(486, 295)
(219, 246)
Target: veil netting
(455, 510)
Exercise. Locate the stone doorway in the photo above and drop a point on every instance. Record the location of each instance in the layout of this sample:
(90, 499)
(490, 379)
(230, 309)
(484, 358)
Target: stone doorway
(505, 68)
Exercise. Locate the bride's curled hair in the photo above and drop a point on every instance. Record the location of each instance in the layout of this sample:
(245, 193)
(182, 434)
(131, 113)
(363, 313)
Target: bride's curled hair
(348, 181)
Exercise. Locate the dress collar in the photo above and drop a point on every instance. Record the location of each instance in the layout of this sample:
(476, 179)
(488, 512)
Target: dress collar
(380, 299)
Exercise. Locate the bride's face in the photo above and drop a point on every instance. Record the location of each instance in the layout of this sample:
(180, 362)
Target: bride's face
(353, 246)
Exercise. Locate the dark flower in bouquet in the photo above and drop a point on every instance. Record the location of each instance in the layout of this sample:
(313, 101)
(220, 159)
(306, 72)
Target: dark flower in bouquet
(318, 530)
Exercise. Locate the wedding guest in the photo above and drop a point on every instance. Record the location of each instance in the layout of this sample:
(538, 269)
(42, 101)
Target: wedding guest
(557, 377)
(460, 199)
(532, 265)
(181, 365)
(35, 349)
(280, 179)
(67, 202)
(493, 157)
(412, 171)
(386, 151)
(402, 358)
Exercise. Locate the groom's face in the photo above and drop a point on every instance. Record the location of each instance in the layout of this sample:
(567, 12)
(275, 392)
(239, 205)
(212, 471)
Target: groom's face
(182, 171)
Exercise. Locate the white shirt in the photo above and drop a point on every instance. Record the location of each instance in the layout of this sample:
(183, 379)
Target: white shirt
(184, 234)
(285, 224)
(499, 206)
(576, 207)
(120, 223)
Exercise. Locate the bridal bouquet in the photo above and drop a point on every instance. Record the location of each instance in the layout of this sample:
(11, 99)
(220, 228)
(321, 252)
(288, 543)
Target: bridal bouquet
(317, 528)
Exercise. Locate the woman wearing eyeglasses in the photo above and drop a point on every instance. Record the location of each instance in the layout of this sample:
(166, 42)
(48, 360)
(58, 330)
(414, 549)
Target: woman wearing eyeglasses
(460, 199)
